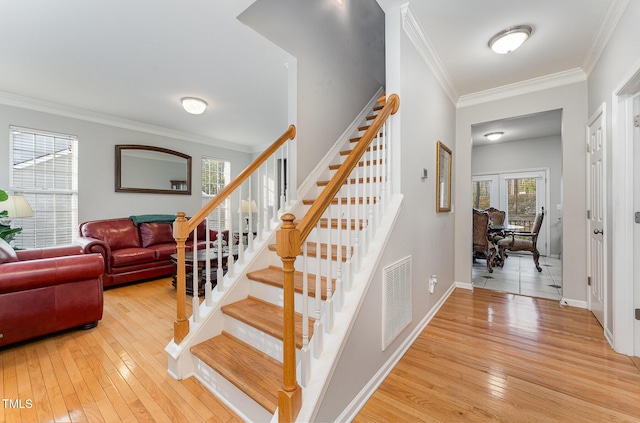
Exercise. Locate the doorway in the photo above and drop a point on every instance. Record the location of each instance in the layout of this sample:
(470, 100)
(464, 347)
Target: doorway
(521, 176)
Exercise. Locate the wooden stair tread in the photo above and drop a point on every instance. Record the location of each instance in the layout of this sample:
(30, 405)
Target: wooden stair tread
(354, 200)
(274, 276)
(377, 108)
(360, 164)
(264, 316)
(347, 152)
(352, 181)
(312, 251)
(363, 127)
(253, 372)
(356, 139)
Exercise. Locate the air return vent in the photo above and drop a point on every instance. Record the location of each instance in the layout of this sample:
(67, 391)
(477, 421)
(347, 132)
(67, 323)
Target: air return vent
(396, 300)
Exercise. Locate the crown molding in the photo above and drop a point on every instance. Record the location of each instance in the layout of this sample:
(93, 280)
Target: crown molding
(606, 27)
(418, 38)
(524, 87)
(29, 103)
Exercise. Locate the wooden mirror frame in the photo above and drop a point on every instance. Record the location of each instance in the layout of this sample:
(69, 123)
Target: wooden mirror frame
(443, 178)
(118, 177)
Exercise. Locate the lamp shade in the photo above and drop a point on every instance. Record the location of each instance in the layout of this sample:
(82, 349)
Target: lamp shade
(16, 206)
(244, 207)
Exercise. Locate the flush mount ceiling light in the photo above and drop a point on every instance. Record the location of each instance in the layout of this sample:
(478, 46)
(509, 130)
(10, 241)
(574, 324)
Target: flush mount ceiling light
(194, 105)
(508, 40)
(494, 136)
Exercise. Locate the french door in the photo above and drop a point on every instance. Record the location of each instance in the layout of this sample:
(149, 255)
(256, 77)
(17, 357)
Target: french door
(520, 194)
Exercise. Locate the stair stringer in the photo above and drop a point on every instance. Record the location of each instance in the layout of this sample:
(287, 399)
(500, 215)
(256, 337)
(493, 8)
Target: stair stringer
(323, 367)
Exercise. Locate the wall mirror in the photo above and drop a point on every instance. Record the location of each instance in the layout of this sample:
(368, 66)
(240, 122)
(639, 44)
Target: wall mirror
(443, 178)
(148, 169)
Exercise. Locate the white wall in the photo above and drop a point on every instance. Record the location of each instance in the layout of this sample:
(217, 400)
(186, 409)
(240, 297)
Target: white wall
(572, 99)
(427, 115)
(620, 56)
(97, 198)
(340, 64)
(528, 154)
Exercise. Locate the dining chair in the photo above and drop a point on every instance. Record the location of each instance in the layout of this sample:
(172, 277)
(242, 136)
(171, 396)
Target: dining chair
(526, 241)
(481, 243)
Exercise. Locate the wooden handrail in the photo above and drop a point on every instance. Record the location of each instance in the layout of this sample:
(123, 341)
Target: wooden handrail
(289, 134)
(311, 218)
(183, 227)
(288, 243)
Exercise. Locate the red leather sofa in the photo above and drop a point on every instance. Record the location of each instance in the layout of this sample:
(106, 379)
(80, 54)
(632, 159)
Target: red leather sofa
(47, 290)
(135, 252)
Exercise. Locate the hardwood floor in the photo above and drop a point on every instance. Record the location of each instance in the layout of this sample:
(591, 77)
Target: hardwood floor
(486, 356)
(491, 356)
(116, 372)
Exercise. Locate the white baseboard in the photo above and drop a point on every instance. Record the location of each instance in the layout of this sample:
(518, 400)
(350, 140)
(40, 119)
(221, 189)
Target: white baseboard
(369, 389)
(573, 303)
(464, 285)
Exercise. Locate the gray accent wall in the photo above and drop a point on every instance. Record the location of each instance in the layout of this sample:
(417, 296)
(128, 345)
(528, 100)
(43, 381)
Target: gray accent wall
(340, 64)
(97, 198)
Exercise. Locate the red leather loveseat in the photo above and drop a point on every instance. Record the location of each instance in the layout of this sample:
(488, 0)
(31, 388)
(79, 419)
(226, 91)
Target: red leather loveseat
(134, 252)
(47, 290)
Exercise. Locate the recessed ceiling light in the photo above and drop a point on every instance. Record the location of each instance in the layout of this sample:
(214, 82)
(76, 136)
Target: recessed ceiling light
(494, 136)
(508, 40)
(194, 105)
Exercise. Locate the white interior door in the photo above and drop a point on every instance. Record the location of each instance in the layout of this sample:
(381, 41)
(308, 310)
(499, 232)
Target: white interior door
(596, 215)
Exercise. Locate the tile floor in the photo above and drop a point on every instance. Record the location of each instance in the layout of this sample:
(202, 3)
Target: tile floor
(519, 276)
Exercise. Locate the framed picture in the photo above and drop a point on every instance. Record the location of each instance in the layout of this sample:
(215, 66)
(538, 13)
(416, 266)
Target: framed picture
(443, 178)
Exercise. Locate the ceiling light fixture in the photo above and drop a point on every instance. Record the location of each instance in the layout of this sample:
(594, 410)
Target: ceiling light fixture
(508, 40)
(194, 105)
(494, 136)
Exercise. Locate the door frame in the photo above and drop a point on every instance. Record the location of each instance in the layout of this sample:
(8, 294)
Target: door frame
(601, 112)
(620, 333)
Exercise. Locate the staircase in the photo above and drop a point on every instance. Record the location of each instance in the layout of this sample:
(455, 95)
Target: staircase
(243, 364)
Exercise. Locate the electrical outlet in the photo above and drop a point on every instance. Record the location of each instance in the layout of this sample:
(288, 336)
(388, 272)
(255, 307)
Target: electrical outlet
(433, 280)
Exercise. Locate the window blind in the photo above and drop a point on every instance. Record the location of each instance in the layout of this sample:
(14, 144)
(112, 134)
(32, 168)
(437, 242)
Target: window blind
(44, 169)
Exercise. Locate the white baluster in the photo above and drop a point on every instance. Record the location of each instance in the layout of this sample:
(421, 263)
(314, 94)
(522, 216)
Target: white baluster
(371, 196)
(195, 302)
(338, 290)
(377, 181)
(353, 203)
(259, 223)
(230, 259)
(305, 351)
(317, 326)
(240, 229)
(282, 189)
(207, 265)
(275, 190)
(220, 273)
(389, 142)
(383, 173)
(328, 309)
(250, 211)
(349, 234)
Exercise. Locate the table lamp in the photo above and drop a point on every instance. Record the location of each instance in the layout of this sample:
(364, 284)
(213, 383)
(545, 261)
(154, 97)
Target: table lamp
(16, 206)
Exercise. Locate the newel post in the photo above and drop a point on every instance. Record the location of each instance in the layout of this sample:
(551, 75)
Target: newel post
(288, 247)
(181, 233)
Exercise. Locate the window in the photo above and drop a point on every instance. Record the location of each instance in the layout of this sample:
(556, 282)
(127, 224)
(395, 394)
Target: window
(44, 168)
(216, 174)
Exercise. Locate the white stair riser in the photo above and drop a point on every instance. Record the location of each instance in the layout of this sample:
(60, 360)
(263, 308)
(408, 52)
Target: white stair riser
(274, 295)
(241, 403)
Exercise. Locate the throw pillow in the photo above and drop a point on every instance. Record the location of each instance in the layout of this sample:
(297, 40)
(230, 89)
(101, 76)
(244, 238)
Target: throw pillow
(7, 253)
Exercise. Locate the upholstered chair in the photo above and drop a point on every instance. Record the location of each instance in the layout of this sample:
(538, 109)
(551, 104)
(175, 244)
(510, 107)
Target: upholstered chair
(481, 243)
(496, 230)
(527, 241)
